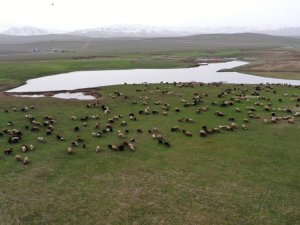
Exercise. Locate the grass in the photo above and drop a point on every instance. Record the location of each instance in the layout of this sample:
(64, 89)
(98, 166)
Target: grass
(240, 177)
(12, 73)
(279, 75)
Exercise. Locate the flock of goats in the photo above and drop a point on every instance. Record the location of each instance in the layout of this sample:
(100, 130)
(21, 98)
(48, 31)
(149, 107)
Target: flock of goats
(229, 97)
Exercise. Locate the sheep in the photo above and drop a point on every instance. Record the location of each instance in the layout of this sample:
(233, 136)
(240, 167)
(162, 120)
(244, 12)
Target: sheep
(70, 151)
(291, 120)
(131, 146)
(79, 139)
(76, 129)
(73, 118)
(60, 138)
(18, 158)
(98, 149)
(202, 133)
(165, 113)
(139, 131)
(123, 123)
(120, 134)
(175, 129)
(274, 119)
(187, 133)
(107, 111)
(14, 139)
(180, 120)
(26, 160)
(8, 151)
(246, 121)
(233, 125)
(189, 120)
(220, 114)
(238, 110)
(244, 126)
(132, 117)
(98, 134)
(49, 132)
(74, 143)
(35, 129)
(113, 147)
(24, 148)
(177, 110)
(97, 126)
(216, 130)
(31, 147)
(41, 139)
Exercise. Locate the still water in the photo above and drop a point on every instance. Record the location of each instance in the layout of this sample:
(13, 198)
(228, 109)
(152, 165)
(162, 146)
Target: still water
(86, 79)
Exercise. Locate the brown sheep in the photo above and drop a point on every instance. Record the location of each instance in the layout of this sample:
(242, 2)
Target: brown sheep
(18, 158)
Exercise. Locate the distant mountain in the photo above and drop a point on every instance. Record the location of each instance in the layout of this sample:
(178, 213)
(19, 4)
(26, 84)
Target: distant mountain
(131, 31)
(151, 31)
(287, 31)
(25, 31)
(141, 31)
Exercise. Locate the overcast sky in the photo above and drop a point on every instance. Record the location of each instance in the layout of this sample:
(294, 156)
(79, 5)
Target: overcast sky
(81, 14)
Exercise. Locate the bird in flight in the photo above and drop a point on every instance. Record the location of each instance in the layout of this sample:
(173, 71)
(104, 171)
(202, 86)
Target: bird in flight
(52, 4)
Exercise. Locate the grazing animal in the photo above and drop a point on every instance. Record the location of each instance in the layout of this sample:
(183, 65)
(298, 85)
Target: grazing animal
(73, 118)
(24, 148)
(187, 133)
(60, 138)
(41, 139)
(233, 125)
(139, 131)
(13, 140)
(18, 158)
(131, 146)
(98, 149)
(74, 143)
(70, 151)
(202, 133)
(8, 151)
(26, 160)
(113, 147)
(120, 134)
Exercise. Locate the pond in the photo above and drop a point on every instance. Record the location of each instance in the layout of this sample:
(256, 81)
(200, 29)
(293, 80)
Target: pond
(203, 73)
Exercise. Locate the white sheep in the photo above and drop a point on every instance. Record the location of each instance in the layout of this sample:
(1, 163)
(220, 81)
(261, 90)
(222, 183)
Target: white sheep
(26, 160)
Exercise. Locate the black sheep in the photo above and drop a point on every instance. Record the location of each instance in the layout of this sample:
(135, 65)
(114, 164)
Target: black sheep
(8, 151)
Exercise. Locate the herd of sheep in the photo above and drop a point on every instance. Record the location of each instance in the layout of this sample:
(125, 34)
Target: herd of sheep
(116, 125)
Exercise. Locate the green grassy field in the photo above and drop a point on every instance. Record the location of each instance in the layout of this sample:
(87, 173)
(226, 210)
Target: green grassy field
(242, 176)
(232, 177)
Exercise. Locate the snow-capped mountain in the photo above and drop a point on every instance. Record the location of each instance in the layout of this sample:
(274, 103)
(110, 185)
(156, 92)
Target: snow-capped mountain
(131, 31)
(152, 31)
(25, 31)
